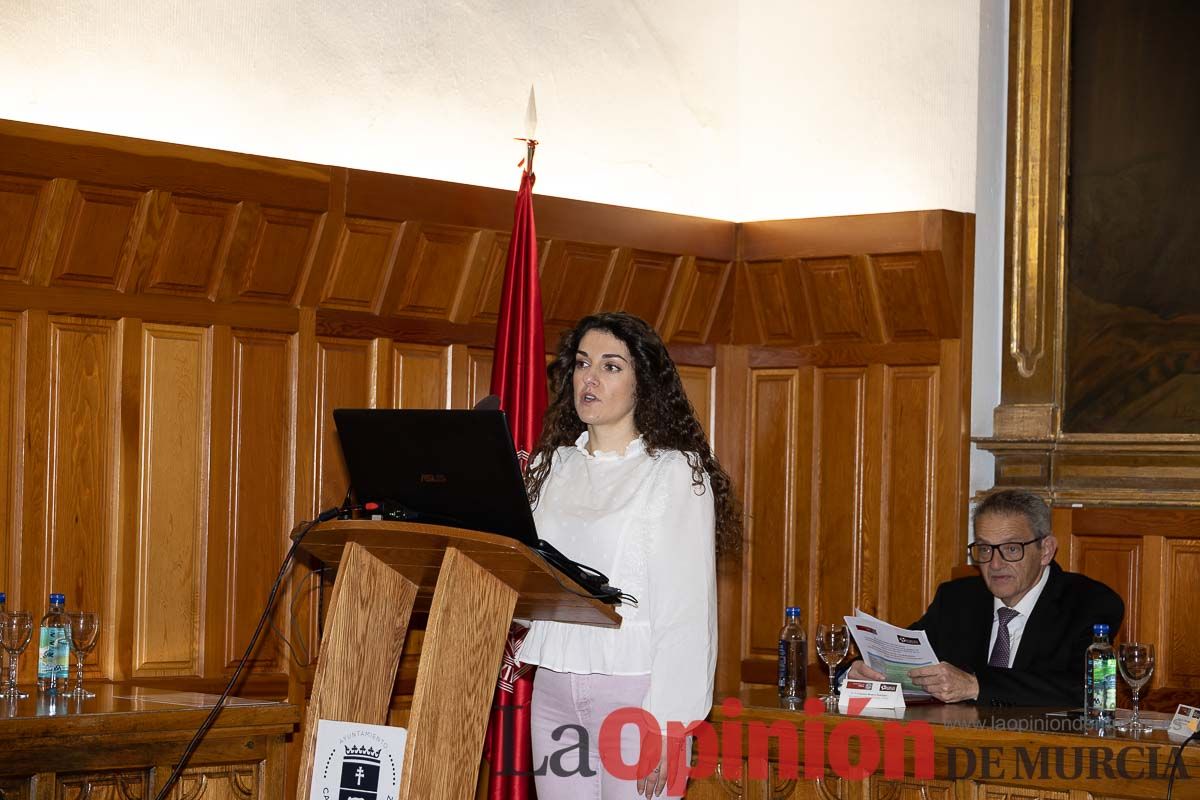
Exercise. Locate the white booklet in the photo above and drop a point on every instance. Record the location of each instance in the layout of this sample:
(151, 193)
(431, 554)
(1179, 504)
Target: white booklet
(891, 650)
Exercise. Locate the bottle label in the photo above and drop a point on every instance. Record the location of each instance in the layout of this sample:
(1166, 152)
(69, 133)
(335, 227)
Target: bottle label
(1101, 692)
(1110, 684)
(54, 653)
(783, 663)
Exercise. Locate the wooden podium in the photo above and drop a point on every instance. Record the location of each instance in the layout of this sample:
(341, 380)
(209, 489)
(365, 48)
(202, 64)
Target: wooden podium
(471, 584)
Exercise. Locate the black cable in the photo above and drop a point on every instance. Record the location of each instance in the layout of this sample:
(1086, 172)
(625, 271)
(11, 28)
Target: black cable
(303, 594)
(207, 724)
(591, 579)
(1178, 760)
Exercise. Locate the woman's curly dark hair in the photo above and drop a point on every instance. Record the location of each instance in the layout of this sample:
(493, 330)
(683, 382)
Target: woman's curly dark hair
(663, 415)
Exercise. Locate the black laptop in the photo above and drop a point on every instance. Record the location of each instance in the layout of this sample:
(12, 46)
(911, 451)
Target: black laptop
(455, 468)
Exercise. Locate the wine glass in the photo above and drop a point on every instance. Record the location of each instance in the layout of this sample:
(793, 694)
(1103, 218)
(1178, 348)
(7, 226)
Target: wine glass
(85, 629)
(1136, 662)
(833, 642)
(16, 627)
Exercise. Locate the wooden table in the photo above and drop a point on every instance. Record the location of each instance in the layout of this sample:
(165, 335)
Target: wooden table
(124, 743)
(977, 754)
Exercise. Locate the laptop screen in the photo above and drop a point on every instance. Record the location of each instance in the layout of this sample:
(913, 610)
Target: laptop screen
(455, 468)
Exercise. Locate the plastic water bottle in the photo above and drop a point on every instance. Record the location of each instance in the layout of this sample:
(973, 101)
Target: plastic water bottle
(793, 656)
(54, 647)
(1100, 679)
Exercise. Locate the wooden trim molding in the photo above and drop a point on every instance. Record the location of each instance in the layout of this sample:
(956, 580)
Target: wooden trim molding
(1036, 192)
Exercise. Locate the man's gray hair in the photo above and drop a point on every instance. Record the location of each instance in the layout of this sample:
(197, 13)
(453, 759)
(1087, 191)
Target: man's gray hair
(1010, 502)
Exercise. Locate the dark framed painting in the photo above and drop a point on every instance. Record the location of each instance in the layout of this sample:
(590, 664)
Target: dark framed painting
(1132, 299)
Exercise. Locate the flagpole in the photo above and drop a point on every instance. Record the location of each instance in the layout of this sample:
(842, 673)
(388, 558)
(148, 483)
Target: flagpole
(519, 380)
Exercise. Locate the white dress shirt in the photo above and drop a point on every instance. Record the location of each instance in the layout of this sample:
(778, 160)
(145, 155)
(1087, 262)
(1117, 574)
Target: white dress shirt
(1016, 625)
(640, 521)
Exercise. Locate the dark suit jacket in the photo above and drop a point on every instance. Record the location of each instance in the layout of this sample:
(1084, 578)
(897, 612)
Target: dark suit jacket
(1047, 669)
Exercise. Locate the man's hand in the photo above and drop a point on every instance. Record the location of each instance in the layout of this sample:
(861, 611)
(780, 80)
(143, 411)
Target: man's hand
(860, 671)
(946, 682)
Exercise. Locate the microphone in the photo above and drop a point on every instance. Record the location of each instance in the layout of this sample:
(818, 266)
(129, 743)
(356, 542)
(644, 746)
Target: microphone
(489, 403)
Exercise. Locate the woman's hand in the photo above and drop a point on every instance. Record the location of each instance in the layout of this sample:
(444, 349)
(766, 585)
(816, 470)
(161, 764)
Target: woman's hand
(665, 774)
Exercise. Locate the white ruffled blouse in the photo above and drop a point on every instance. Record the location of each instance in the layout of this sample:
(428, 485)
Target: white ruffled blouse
(640, 521)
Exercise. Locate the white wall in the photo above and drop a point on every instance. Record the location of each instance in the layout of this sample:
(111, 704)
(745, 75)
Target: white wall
(738, 110)
(987, 339)
(635, 98)
(857, 107)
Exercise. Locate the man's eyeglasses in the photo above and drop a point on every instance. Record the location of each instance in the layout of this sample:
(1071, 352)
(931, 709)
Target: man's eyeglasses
(1009, 551)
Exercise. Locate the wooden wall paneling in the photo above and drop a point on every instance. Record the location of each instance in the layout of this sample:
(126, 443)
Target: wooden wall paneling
(100, 158)
(485, 281)
(873, 502)
(1179, 658)
(432, 272)
(82, 468)
(700, 388)
(281, 251)
(100, 237)
(838, 301)
(420, 376)
(21, 198)
(805, 555)
(345, 378)
(952, 466)
(402, 197)
(192, 251)
(908, 297)
(220, 498)
(1116, 562)
(768, 575)
(1153, 617)
(11, 427)
(575, 279)
(470, 375)
(777, 297)
(48, 230)
(303, 583)
(729, 443)
(702, 286)
(840, 421)
(647, 286)
(363, 262)
(172, 512)
(11, 347)
(910, 466)
(1062, 526)
(29, 587)
(260, 509)
(619, 277)
(119, 612)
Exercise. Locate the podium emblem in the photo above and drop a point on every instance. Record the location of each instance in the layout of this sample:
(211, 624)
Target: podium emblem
(360, 773)
(357, 761)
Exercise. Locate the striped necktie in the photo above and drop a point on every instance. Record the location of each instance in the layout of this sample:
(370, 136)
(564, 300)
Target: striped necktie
(1000, 655)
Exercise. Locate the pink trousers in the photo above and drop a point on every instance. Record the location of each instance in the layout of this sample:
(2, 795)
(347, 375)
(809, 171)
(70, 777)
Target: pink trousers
(566, 708)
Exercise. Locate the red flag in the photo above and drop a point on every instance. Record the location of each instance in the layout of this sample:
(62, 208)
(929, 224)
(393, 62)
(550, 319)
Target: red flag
(519, 368)
(519, 380)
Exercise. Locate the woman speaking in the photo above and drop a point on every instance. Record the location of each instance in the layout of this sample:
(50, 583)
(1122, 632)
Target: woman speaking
(624, 480)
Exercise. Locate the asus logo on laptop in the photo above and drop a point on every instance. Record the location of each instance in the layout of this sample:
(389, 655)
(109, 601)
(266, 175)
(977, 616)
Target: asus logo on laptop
(432, 477)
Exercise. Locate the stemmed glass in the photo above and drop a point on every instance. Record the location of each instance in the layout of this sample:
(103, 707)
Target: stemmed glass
(1136, 662)
(16, 627)
(85, 629)
(833, 642)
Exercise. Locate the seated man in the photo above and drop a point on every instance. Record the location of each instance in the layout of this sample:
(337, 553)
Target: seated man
(1016, 633)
